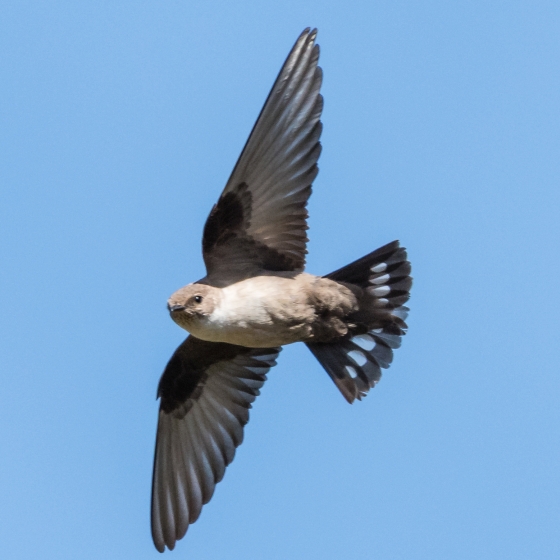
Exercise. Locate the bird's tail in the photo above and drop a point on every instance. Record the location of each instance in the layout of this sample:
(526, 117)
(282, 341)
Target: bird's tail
(354, 361)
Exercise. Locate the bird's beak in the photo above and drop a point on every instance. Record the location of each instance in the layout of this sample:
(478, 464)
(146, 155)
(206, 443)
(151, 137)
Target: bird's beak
(175, 308)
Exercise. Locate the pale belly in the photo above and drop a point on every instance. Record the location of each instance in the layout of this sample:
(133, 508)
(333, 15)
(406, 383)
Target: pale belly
(259, 313)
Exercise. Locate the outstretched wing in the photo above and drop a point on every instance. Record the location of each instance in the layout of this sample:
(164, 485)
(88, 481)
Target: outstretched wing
(206, 391)
(259, 222)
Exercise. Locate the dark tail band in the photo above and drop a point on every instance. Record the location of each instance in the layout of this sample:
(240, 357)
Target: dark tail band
(355, 360)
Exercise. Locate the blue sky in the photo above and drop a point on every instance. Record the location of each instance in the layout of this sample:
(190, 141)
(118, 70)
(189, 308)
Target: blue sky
(120, 123)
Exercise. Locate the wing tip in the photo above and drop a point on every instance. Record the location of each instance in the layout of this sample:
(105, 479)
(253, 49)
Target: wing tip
(307, 36)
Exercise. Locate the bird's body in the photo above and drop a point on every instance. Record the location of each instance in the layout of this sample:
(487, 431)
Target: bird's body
(267, 311)
(257, 298)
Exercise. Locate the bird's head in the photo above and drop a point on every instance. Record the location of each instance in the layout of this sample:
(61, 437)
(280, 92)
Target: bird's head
(192, 303)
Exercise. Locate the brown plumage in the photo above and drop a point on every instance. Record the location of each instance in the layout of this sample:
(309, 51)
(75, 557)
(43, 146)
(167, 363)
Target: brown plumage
(256, 298)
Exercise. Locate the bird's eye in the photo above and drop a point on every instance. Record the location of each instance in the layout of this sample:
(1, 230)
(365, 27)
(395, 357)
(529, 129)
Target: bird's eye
(198, 299)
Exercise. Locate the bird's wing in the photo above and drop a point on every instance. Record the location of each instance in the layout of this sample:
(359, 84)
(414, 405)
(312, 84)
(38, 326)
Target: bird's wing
(206, 391)
(259, 222)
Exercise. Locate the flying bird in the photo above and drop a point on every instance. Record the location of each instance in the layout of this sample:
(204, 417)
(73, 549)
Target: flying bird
(256, 298)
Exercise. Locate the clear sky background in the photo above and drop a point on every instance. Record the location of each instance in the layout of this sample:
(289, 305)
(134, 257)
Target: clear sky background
(120, 122)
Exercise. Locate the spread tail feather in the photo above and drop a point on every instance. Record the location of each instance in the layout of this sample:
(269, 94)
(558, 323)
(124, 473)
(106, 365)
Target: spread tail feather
(354, 361)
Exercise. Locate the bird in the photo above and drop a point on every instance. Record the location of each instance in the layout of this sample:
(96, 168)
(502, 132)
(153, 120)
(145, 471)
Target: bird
(256, 298)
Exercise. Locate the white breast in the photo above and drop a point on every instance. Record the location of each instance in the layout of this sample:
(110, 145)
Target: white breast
(242, 304)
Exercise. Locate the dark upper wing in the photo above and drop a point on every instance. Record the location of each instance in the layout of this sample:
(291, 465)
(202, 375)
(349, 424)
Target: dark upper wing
(206, 391)
(259, 222)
